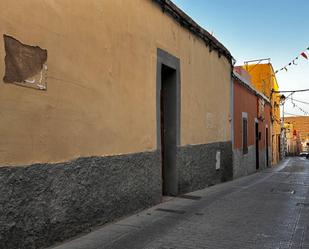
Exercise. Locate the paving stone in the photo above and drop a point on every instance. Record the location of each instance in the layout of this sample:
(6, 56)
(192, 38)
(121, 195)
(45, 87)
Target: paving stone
(243, 214)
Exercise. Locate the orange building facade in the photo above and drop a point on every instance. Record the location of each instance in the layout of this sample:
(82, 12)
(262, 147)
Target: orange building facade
(264, 80)
(251, 126)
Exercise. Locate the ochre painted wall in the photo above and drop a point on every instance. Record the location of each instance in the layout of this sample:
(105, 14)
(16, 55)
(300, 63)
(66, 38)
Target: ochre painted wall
(263, 77)
(262, 128)
(264, 80)
(101, 97)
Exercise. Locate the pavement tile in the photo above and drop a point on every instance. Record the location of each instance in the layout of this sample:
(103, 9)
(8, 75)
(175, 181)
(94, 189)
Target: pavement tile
(262, 211)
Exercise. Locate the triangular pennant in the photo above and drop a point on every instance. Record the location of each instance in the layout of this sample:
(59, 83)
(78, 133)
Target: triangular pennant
(303, 54)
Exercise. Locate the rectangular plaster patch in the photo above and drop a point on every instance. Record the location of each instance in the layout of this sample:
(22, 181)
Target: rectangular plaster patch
(218, 160)
(24, 64)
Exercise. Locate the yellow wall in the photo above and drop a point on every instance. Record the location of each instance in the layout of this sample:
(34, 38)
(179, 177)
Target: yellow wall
(264, 80)
(101, 97)
(260, 77)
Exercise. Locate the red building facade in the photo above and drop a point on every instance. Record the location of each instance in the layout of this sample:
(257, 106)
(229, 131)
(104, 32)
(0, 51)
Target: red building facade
(251, 126)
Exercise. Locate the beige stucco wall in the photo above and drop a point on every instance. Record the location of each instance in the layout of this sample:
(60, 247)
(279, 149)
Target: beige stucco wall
(101, 97)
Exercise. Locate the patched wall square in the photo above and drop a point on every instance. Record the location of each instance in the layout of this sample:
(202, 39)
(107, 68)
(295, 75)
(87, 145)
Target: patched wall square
(23, 62)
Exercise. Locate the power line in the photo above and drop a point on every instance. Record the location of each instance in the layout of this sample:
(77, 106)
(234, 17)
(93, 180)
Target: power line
(290, 97)
(292, 114)
(299, 101)
(299, 108)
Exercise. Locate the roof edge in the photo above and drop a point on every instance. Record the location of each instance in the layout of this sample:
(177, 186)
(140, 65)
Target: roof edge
(187, 22)
(247, 85)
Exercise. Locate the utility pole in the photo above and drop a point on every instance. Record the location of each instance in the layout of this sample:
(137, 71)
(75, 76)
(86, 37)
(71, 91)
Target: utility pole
(283, 133)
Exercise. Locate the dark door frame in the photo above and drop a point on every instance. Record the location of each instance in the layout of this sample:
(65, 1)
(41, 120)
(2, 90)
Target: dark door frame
(257, 143)
(267, 144)
(164, 59)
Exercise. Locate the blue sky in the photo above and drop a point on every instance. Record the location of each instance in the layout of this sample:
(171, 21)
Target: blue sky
(276, 29)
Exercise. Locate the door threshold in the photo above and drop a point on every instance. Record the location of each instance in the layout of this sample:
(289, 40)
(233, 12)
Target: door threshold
(166, 198)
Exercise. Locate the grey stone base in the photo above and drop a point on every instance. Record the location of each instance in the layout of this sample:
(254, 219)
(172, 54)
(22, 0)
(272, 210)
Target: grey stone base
(262, 159)
(244, 164)
(197, 165)
(45, 203)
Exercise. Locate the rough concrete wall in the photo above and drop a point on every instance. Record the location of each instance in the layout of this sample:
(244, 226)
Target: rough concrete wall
(244, 165)
(45, 203)
(262, 159)
(197, 165)
(270, 154)
(101, 96)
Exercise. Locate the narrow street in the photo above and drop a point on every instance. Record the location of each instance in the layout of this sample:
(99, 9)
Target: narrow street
(269, 209)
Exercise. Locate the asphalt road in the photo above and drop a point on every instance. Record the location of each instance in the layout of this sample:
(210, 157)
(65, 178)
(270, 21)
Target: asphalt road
(269, 209)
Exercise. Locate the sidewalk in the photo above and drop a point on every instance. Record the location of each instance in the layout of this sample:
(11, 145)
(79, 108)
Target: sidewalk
(264, 210)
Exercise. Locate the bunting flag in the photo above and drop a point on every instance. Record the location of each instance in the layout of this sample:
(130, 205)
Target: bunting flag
(297, 106)
(304, 54)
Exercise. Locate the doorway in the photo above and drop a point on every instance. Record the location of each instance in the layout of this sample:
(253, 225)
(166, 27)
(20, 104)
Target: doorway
(267, 145)
(168, 112)
(168, 129)
(279, 148)
(257, 149)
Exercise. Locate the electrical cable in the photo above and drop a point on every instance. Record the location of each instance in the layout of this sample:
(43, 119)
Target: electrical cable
(293, 114)
(299, 101)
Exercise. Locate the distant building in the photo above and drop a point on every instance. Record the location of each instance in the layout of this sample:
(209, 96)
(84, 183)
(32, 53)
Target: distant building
(264, 80)
(301, 125)
(293, 141)
(251, 125)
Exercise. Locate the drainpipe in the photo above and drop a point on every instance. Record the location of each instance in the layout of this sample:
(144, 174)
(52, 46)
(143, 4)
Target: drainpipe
(232, 111)
(231, 119)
